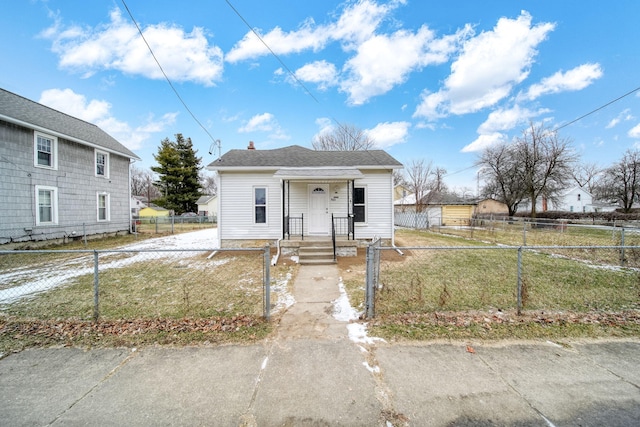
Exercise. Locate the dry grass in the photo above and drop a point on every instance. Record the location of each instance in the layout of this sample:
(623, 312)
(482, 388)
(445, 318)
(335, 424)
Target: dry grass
(175, 292)
(484, 281)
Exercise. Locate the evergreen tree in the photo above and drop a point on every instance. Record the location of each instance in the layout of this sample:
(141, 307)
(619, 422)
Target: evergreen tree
(178, 170)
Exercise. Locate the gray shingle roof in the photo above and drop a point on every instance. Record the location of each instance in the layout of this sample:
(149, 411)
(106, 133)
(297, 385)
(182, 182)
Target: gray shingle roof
(16, 109)
(297, 157)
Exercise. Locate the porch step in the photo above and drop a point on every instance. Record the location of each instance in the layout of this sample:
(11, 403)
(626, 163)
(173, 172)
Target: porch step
(317, 254)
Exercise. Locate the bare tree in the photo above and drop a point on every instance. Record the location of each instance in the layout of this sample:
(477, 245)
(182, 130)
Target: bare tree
(587, 175)
(142, 183)
(621, 181)
(208, 183)
(546, 163)
(537, 164)
(502, 176)
(343, 138)
(420, 181)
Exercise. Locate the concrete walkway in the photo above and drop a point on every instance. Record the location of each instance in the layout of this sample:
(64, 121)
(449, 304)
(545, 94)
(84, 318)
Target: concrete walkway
(311, 374)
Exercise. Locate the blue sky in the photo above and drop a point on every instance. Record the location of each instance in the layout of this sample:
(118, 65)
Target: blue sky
(437, 81)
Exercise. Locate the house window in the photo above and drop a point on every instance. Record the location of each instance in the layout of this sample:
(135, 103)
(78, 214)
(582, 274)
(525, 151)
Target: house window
(260, 205)
(359, 204)
(45, 149)
(47, 205)
(102, 164)
(103, 207)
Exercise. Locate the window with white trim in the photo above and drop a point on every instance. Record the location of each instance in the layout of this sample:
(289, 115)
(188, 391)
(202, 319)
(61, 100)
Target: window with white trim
(102, 164)
(103, 207)
(260, 205)
(359, 204)
(45, 151)
(47, 205)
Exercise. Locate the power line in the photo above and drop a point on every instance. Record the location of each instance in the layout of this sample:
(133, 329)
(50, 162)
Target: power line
(291, 73)
(597, 109)
(569, 123)
(184, 104)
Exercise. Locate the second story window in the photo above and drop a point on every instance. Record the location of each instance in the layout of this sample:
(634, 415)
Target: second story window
(102, 164)
(45, 151)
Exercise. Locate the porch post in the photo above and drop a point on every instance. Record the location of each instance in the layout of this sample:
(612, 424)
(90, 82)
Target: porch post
(284, 215)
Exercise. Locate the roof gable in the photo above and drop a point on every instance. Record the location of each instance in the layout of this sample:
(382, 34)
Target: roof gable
(296, 156)
(19, 110)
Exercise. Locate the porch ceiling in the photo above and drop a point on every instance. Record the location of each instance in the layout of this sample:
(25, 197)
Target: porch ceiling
(318, 174)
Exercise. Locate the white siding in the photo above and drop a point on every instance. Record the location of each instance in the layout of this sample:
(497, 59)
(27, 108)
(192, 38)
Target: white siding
(236, 220)
(379, 206)
(236, 215)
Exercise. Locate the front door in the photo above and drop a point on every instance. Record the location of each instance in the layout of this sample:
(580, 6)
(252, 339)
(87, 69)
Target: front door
(319, 209)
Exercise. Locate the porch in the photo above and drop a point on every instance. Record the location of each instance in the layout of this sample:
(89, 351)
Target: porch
(318, 249)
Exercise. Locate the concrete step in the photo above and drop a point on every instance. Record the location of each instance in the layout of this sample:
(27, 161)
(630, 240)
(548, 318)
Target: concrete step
(317, 255)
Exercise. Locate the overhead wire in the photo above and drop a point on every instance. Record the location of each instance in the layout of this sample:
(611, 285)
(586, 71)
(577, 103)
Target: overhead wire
(292, 74)
(595, 110)
(175, 91)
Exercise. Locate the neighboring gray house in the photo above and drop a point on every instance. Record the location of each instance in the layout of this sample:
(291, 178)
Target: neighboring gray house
(299, 193)
(59, 176)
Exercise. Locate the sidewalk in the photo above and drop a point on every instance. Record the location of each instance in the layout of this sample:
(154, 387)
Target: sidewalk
(311, 373)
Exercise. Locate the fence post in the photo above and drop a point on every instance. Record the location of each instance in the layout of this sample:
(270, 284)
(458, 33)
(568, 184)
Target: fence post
(622, 254)
(84, 234)
(267, 283)
(524, 232)
(519, 285)
(369, 286)
(96, 288)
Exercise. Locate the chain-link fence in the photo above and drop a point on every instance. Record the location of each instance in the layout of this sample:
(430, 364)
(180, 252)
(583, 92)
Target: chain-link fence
(501, 278)
(127, 284)
(171, 224)
(528, 232)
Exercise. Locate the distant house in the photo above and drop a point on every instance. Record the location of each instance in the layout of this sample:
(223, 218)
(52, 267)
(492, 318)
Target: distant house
(298, 193)
(577, 199)
(208, 206)
(491, 207)
(59, 176)
(436, 209)
(153, 211)
(137, 203)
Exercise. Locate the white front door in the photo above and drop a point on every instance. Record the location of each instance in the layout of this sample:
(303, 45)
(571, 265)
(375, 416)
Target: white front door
(319, 209)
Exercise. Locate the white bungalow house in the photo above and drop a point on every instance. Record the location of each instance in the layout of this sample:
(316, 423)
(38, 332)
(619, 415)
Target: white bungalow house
(298, 194)
(577, 199)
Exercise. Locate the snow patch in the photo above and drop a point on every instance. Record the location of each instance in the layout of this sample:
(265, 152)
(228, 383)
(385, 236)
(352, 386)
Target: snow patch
(285, 298)
(372, 369)
(342, 309)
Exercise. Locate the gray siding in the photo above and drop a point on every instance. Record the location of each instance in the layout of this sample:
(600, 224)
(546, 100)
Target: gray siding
(74, 179)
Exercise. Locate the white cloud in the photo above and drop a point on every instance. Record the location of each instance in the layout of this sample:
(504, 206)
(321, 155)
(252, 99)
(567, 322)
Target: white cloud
(98, 113)
(326, 126)
(634, 132)
(384, 61)
(488, 67)
(260, 122)
(322, 73)
(387, 134)
(507, 119)
(265, 122)
(499, 121)
(484, 141)
(356, 23)
(118, 46)
(575, 79)
(624, 115)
